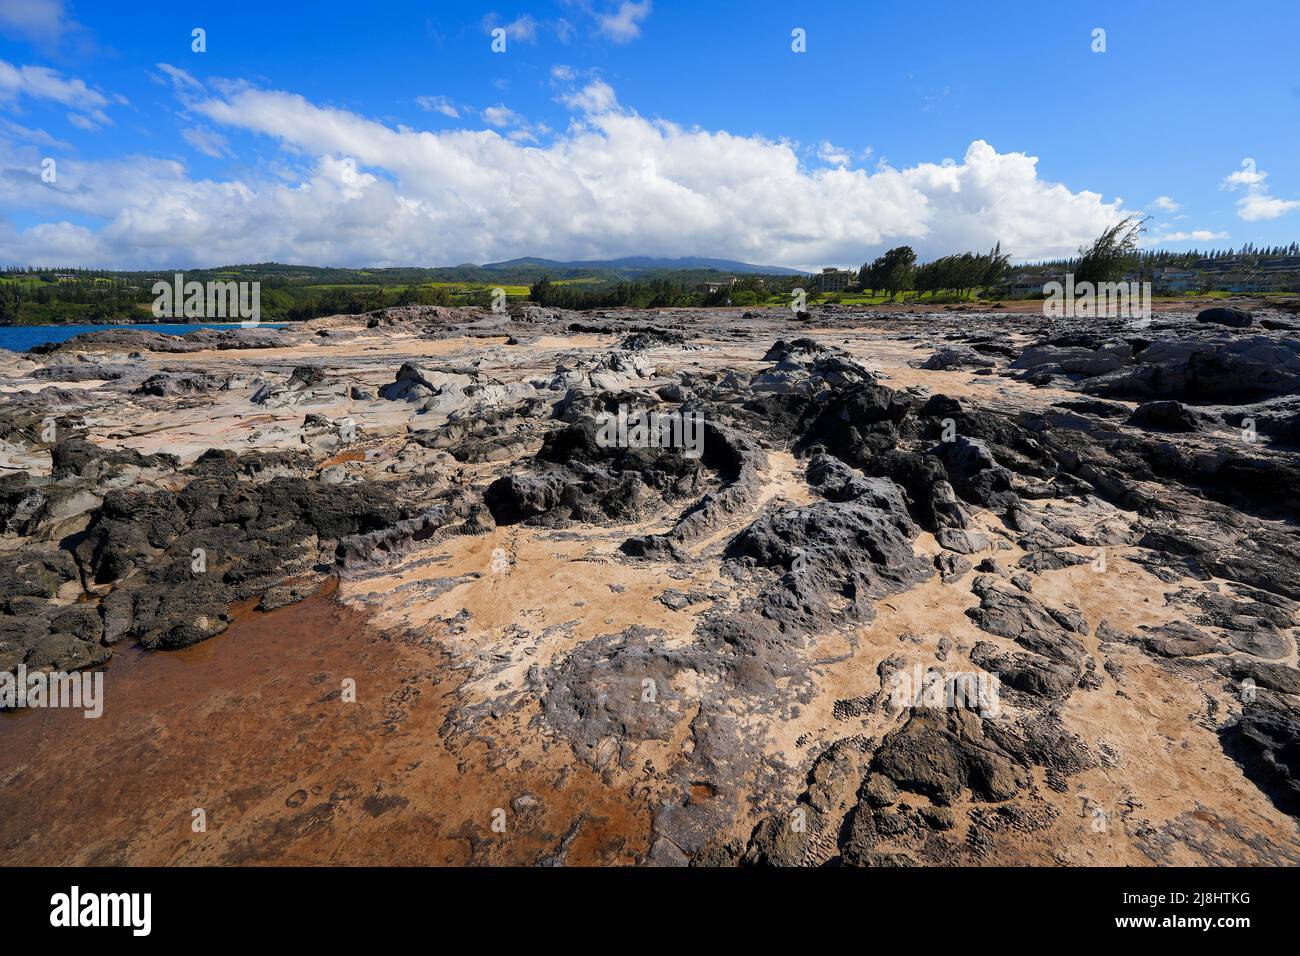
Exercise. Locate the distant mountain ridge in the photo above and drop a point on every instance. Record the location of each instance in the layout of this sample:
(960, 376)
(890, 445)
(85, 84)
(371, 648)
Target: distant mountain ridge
(641, 264)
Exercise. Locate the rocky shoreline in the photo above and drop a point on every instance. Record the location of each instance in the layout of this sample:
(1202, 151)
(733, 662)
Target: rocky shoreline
(1099, 513)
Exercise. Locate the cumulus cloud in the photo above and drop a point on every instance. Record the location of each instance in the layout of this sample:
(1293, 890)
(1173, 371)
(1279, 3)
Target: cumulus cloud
(1259, 204)
(1255, 206)
(1256, 202)
(614, 183)
(52, 242)
(1165, 204)
(1249, 175)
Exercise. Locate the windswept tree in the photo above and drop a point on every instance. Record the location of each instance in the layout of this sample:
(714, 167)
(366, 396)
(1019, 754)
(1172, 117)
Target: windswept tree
(1111, 254)
(894, 272)
(995, 270)
(962, 273)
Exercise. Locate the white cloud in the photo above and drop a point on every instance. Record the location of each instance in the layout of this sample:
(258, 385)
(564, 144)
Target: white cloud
(1165, 204)
(38, 136)
(349, 189)
(1249, 175)
(1194, 235)
(43, 21)
(596, 97)
(438, 104)
(520, 130)
(51, 242)
(624, 24)
(44, 83)
(501, 116)
(827, 152)
(522, 28)
(1257, 203)
(206, 141)
(182, 80)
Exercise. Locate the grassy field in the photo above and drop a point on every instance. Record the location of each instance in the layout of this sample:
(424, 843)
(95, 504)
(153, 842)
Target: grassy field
(511, 290)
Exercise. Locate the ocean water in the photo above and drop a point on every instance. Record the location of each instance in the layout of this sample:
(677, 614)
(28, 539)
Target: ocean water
(19, 338)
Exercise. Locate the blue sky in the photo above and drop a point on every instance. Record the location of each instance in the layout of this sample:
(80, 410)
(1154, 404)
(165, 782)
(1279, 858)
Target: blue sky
(395, 135)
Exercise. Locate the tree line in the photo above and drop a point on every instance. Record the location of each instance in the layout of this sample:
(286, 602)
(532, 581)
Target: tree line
(1106, 259)
(651, 294)
(88, 300)
(896, 271)
(1147, 260)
